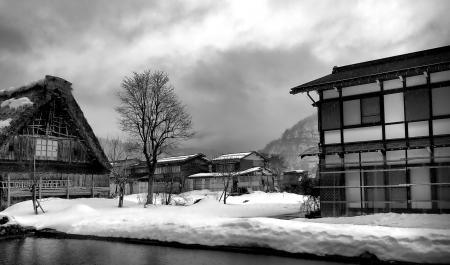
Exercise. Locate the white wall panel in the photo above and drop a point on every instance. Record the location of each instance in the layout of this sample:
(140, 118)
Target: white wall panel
(396, 157)
(362, 134)
(333, 161)
(330, 93)
(418, 156)
(371, 158)
(440, 76)
(416, 80)
(416, 129)
(395, 131)
(393, 107)
(392, 84)
(360, 89)
(441, 126)
(332, 137)
(351, 159)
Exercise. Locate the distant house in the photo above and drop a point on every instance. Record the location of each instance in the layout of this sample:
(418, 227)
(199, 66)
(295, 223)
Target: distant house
(246, 171)
(124, 168)
(170, 173)
(44, 136)
(252, 179)
(384, 135)
(289, 181)
(238, 161)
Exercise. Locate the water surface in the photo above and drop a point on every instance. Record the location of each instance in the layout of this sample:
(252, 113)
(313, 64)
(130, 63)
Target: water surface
(32, 250)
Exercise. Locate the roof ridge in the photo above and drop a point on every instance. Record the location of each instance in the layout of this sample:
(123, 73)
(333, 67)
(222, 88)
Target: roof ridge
(398, 57)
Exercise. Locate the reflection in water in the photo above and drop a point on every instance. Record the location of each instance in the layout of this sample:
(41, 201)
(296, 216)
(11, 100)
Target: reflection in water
(74, 251)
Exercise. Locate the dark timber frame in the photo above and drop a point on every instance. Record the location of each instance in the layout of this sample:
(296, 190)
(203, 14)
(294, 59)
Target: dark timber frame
(384, 184)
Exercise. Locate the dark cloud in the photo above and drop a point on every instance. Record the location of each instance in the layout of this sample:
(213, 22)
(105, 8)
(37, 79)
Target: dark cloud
(11, 40)
(242, 95)
(236, 87)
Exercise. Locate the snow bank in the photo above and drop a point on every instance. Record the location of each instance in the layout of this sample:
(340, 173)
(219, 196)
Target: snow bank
(436, 221)
(212, 223)
(15, 103)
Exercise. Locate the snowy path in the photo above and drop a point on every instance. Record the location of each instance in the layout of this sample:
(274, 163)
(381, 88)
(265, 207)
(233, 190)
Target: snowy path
(422, 239)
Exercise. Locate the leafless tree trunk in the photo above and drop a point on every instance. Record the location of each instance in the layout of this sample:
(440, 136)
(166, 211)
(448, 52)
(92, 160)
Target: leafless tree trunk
(151, 113)
(117, 152)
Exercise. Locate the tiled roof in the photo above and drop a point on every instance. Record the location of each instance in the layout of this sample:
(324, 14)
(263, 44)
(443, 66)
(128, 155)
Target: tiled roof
(400, 64)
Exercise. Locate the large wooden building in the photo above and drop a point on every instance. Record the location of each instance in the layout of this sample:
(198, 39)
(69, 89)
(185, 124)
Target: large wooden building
(46, 141)
(170, 173)
(385, 135)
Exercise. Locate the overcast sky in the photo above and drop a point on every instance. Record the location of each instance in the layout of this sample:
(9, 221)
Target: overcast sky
(231, 62)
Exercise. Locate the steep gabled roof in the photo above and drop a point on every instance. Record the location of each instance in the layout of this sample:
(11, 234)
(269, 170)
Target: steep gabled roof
(19, 105)
(415, 63)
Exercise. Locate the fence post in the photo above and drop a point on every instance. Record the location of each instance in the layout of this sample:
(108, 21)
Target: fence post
(92, 178)
(8, 203)
(68, 192)
(40, 186)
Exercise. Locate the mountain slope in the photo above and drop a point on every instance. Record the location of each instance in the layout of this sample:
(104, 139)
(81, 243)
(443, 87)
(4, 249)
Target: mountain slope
(295, 140)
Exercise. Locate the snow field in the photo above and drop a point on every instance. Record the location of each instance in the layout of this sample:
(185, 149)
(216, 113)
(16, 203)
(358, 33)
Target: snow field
(417, 238)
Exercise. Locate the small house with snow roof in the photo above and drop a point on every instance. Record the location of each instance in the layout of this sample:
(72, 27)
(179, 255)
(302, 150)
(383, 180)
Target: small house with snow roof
(46, 141)
(246, 171)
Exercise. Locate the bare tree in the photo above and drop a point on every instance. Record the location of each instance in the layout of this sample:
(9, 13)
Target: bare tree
(153, 115)
(228, 175)
(117, 153)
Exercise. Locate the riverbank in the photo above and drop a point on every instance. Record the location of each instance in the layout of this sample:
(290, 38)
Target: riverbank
(418, 238)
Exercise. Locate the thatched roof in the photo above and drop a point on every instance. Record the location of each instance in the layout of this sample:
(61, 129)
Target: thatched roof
(19, 105)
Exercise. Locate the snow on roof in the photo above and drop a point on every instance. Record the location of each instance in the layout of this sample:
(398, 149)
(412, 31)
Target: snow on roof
(237, 173)
(15, 103)
(5, 123)
(9, 91)
(232, 156)
(176, 158)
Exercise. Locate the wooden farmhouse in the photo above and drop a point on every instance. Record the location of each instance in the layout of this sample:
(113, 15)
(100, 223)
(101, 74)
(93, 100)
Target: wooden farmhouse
(246, 172)
(384, 135)
(170, 173)
(45, 140)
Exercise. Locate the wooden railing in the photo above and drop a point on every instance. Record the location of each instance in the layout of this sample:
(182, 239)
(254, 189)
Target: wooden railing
(43, 184)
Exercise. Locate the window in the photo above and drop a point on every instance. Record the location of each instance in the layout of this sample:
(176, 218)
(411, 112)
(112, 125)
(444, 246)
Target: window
(46, 149)
(362, 111)
(370, 110)
(417, 105)
(352, 112)
(398, 196)
(331, 115)
(441, 98)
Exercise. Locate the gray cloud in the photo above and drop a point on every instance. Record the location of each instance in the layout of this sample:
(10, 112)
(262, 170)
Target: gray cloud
(235, 86)
(243, 94)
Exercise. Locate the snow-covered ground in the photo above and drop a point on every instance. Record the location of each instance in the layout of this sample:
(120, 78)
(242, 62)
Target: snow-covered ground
(243, 221)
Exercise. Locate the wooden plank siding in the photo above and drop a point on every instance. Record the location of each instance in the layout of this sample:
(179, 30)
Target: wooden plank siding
(23, 148)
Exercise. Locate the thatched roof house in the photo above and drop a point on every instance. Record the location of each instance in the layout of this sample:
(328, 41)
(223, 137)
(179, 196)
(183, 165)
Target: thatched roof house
(43, 131)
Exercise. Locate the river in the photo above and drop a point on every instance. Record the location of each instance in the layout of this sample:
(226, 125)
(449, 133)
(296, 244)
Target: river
(34, 250)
